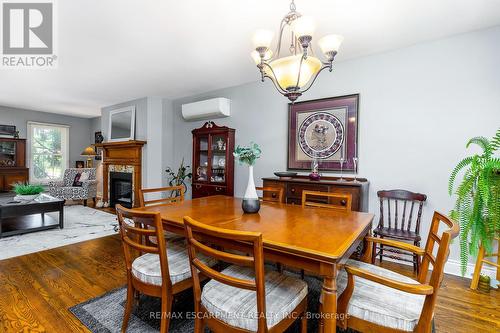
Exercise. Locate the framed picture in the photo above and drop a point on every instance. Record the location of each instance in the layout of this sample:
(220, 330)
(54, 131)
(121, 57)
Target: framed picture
(323, 129)
(98, 155)
(98, 137)
(80, 164)
(8, 130)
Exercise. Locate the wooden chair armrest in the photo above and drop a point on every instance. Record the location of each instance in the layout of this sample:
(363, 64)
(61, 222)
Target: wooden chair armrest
(419, 289)
(400, 245)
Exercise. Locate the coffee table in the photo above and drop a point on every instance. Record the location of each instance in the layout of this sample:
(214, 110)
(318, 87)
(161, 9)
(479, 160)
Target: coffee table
(19, 217)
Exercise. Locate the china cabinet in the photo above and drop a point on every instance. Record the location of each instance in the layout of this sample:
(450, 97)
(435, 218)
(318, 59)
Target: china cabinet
(12, 163)
(213, 161)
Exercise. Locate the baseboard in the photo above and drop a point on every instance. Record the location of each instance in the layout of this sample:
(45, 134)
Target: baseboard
(453, 267)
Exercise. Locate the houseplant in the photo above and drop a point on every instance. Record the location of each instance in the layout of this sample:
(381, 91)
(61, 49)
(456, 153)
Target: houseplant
(179, 178)
(27, 192)
(248, 155)
(477, 206)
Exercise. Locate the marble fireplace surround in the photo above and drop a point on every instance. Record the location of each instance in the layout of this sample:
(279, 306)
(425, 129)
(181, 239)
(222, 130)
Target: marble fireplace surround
(123, 156)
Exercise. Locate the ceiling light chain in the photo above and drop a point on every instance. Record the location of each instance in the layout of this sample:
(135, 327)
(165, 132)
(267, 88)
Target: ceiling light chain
(295, 74)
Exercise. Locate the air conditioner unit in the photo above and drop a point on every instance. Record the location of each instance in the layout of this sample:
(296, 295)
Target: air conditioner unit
(207, 109)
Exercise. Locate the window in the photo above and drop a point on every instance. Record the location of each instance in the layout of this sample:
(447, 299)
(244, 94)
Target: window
(48, 151)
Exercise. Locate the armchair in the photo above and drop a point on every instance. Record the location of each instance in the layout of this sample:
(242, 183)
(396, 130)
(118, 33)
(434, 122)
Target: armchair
(64, 189)
(375, 299)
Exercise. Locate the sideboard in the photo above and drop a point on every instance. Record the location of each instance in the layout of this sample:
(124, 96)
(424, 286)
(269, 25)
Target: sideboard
(294, 186)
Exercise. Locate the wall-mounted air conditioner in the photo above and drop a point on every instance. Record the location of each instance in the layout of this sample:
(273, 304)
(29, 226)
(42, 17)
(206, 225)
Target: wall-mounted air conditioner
(207, 109)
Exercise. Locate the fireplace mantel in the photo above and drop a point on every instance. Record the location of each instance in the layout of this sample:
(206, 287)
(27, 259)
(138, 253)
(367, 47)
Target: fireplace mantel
(126, 155)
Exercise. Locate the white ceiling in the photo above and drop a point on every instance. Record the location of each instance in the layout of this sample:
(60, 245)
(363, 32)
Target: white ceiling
(116, 50)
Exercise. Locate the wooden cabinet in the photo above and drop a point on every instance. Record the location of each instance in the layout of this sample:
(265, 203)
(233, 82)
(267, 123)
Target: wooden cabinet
(12, 163)
(213, 161)
(293, 188)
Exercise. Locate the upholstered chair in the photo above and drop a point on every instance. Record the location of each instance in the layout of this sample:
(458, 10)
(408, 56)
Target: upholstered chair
(77, 184)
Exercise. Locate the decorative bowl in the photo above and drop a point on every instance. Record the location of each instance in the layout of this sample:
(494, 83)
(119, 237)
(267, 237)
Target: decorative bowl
(26, 197)
(285, 174)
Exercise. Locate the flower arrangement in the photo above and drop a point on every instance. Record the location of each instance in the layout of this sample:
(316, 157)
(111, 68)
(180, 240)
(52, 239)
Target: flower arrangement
(179, 178)
(248, 155)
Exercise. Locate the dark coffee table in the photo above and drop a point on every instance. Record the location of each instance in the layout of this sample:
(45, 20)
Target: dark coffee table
(19, 217)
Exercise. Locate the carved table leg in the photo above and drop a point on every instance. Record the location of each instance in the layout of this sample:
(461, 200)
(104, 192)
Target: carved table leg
(329, 305)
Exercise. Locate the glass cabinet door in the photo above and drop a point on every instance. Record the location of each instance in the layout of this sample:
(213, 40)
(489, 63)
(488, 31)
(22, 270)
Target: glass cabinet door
(7, 154)
(218, 158)
(201, 163)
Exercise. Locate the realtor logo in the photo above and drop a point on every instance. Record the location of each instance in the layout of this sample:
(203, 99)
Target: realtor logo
(28, 34)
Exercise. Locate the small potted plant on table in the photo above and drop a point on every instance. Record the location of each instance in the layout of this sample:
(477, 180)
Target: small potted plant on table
(27, 192)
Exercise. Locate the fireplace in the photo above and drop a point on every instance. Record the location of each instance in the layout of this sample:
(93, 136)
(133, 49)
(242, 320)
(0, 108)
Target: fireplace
(120, 189)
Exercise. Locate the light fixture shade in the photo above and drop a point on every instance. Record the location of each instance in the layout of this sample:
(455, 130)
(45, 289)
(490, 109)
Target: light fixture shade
(304, 26)
(256, 56)
(89, 151)
(262, 38)
(330, 43)
(286, 70)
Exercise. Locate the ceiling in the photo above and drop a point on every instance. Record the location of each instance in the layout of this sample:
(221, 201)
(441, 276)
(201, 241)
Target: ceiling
(117, 50)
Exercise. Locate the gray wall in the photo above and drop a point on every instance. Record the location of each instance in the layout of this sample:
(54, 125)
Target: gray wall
(418, 107)
(78, 131)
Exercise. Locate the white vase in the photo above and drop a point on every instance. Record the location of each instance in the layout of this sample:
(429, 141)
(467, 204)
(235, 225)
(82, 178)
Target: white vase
(251, 203)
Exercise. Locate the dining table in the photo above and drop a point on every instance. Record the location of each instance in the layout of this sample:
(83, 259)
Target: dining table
(317, 240)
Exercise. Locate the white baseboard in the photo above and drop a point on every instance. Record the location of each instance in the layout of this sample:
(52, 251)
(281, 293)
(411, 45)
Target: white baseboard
(453, 267)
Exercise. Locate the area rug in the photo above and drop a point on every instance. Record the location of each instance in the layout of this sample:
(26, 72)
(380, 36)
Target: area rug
(80, 224)
(104, 314)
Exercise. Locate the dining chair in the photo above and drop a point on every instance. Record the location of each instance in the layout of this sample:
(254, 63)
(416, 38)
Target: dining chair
(166, 198)
(375, 299)
(156, 271)
(164, 192)
(242, 297)
(271, 194)
(339, 201)
(402, 222)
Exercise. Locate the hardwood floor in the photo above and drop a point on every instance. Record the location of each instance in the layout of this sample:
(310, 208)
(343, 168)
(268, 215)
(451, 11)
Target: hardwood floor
(36, 290)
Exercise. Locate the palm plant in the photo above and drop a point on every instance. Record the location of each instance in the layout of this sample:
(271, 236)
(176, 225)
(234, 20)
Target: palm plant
(477, 206)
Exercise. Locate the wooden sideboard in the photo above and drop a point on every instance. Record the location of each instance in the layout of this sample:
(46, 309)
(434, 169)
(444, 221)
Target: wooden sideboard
(12, 163)
(293, 188)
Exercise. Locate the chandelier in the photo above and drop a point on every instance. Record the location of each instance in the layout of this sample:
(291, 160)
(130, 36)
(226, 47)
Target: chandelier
(293, 74)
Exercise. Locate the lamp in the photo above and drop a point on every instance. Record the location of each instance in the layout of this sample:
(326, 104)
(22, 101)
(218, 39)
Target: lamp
(293, 74)
(89, 152)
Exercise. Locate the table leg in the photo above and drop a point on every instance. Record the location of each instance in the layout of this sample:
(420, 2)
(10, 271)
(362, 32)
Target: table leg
(329, 296)
(61, 217)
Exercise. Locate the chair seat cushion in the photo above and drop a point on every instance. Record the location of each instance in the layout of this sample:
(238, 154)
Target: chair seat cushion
(379, 304)
(147, 267)
(397, 233)
(238, 307)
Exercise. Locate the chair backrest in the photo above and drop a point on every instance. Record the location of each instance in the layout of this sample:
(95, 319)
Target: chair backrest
(70, 173)
(171, 194)
(401, 203)
(196, 230)
(338, 201)
(142, 232)
(271, 194)
(438, 261)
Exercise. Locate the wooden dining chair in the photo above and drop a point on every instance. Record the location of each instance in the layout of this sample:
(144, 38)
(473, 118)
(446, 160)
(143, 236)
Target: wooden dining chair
(156, 271)
(339, 201)
(271, 194)
(374, 299)
(402, 222)
(242, 297)
(165, 194)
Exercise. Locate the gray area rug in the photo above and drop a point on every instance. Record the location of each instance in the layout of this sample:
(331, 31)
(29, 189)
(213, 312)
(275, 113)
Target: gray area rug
(104, 314)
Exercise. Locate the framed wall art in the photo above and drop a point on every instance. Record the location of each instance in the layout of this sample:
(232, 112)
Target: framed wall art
(326, 130)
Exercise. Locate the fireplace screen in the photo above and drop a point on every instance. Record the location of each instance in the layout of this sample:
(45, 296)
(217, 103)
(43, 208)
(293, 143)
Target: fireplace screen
(120, 189)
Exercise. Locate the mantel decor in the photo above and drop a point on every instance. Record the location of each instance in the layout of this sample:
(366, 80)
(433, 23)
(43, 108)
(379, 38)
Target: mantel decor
(293, 74)
(326, 131)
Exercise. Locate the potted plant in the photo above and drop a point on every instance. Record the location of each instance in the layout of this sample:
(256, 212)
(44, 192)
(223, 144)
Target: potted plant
(27, 192)
(477, 206)
(248, 155)
(179, 178)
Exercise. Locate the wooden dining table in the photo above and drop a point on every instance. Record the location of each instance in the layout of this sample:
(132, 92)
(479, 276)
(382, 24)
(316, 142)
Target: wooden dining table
(318, 240)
